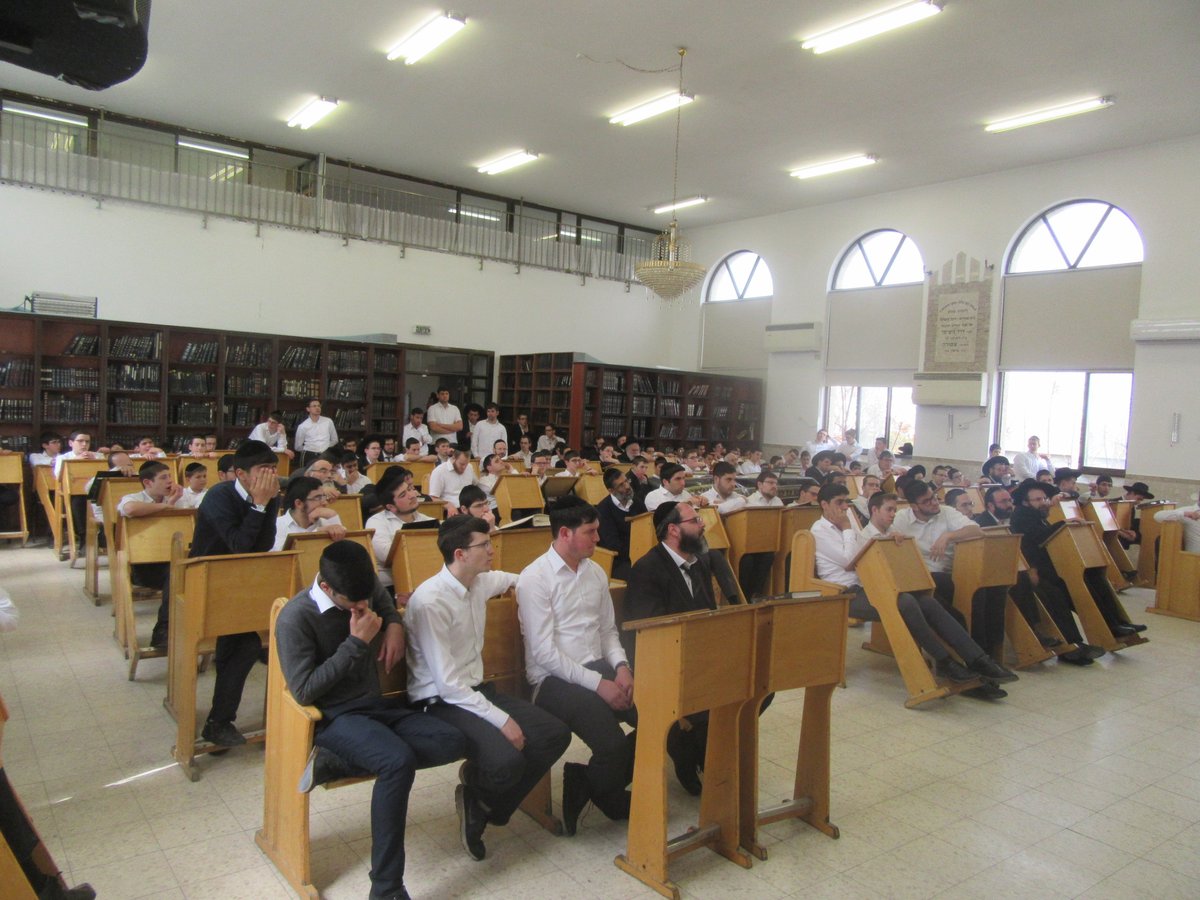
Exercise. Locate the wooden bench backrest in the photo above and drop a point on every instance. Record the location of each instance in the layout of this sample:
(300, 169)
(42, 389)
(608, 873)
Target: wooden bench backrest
(12, 468)
(111, 492)
(349, 510)
(518, 547)
(803, 576)
(591, 488)
(517, 492)
(254, 579)
(641, 535)
(1178, 591)
(76, 473)
(416, 559)
(310, 546)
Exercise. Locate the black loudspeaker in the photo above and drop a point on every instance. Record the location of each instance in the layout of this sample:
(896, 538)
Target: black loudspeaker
(90, 43)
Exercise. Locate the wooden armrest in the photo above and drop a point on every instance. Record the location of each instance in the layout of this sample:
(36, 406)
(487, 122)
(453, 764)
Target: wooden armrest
(309, 712)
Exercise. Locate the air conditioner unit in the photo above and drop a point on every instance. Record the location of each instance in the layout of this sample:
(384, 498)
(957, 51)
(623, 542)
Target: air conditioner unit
(797, 337)
(950, 389)
(1142, 330)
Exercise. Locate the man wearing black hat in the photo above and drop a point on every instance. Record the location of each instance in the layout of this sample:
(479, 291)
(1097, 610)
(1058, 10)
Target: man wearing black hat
(998, 470)
(1064, 480)
(329, 637)
(237, 516)
(1138, 492)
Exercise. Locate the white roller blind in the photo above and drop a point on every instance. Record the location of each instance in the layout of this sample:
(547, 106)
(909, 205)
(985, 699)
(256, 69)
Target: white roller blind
(879, 328)
(733, 334)
(1062, 321)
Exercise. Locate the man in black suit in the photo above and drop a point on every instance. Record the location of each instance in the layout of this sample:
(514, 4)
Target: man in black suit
(675, 577)
(998, 507)
(615, 511)
(237, 516)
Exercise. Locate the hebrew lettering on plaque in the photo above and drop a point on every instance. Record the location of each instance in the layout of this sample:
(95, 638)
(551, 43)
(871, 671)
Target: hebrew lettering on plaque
(958, 312)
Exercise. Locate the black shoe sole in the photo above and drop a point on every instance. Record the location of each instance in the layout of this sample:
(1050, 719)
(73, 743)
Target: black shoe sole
(460, 806)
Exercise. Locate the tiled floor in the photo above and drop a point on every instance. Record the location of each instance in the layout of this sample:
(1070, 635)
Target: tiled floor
(1083, 783)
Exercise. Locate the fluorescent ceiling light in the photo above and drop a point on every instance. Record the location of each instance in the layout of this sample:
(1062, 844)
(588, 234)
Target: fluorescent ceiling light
(219, 149)
(681, 204)
(657, 106)
(837, 165)
(427, 38)
(508, 161)
(869, 26)
(470, 214)
(50, 115)
(312, 112)
(1048, 115)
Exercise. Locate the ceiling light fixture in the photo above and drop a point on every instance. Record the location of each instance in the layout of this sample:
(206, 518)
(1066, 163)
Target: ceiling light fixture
(669, 271)
(50, 115)
(837, 165)
(312, 112)
(219, 149)
(428, 37)
(1049, 115)
(680, 204)
(869, 26)
(508, 161)
(471, 214)
(651, 108)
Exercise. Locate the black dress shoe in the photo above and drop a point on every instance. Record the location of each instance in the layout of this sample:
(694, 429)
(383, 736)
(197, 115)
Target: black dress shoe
(1092, 651)
(472, 820)
(986, 691)
(988, 668)
(402, 894)
(576, 793)
(1077, 657)
(223, 734)
(158, 638)
(325, 766)
(1136, 627)
(1049, 642)
(1124, 630)
(955, 671)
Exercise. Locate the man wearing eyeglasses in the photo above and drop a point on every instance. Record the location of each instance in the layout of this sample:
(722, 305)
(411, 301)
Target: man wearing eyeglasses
(511, 744)
(308, 510)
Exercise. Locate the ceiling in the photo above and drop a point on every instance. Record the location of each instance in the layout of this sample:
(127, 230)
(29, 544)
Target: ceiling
(517, 77)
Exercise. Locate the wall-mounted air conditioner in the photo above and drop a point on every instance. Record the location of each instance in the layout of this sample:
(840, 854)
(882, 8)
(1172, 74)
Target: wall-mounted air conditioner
(1142, 330)
(796, 337)
(950, 389)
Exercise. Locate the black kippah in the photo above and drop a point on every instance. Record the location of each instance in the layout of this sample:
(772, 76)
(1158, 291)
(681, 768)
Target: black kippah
(663, 510)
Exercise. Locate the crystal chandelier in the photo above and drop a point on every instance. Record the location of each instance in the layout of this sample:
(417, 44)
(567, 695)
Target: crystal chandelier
(669, 271)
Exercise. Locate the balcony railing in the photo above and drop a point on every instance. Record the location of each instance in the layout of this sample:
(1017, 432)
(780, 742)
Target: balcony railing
(77, 160)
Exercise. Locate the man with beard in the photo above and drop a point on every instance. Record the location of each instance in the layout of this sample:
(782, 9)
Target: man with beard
(614, 511)
(871, 485)
(1030, 519)
(998, 507)
(998, 470)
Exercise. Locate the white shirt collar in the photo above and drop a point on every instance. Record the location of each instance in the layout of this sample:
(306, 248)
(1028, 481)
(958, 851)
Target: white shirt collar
(323, 600)
(679, 560)
(623, 507)
(237, 486)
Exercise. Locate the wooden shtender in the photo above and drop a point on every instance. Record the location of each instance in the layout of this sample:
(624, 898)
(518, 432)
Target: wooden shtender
(1178, 591)
(1149, 530)
(214, 596)
(46, 487)
(12, 473)
(591, 488)
(515, 549)
(752, 529)
(1073, 548)
(887, 568)
(349, 510)
(111, 492)
(641, 535)
(73, 480)
(414, 557)
(309, 547)
(143, 539)
(514, 492)
(284, 836)
(1069, 511)
(1101, 515)
(792, 520)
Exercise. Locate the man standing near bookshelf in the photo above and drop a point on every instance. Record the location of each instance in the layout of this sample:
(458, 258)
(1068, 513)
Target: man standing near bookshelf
(315, 434)
(273, 434)
(444, 418)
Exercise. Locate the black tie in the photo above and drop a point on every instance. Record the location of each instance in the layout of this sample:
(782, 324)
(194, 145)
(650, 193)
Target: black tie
(690, 569)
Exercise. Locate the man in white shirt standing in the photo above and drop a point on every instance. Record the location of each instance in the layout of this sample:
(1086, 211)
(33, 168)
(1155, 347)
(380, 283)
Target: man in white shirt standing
(1028, 464)
(485, 434)
(315, 434)
(400, 508)
(444, 418)
(451, 477)
(574, 660)
(416, 428)
(273, 434)
(511, 744)
(307, 511)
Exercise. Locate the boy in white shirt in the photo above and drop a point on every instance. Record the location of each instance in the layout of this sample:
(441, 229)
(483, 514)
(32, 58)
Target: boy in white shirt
(196, 476)
(307, 511)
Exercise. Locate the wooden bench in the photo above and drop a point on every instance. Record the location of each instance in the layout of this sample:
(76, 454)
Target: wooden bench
(111, 492)
(46, 487)
(1150, 530)
(213, 596)
(1101, 515)
(284, 836)
(142, 540)
(794, 519)
(752, 529)
(591, 488)
(73, 480)
(413, 558)
(12, 472)
(1069, 510)
(1178, 591)
(517, 492)
(518, 547)
(311, 545)
(887, 569)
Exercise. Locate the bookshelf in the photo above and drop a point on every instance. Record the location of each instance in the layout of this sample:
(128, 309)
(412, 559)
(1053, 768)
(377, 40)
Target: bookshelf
(584, 398)
(125, 380)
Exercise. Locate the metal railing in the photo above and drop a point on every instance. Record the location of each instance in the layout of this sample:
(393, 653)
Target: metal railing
(74, 159)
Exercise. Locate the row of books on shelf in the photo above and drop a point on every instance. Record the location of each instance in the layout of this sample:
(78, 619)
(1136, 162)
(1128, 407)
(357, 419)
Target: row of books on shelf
(299, 356)
(348, 360)
(134, 377)
(242, 415)
(614, 381)
(384, 385)
(75, 408)
(128, 411)
(248, 385)
(347, 389)
(611, 427)
(299, 388)
(18, 443)
(200, 352)
(83, 345)
(643, 406)
(387, 362)
(382, 407)
(16, 373)
(613, 404)
(188, 381)
(192, 413)
(249, 354)
(349, 419)
(136, 346)
(15, 410)
(70, 379)
(695, 409)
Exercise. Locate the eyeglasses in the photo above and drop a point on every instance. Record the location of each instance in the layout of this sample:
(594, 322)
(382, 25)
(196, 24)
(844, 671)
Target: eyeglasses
(320, 498)
(692, 521)
(486, 543)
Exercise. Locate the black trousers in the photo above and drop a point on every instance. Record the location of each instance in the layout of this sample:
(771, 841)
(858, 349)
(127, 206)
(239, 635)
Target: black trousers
(156, 576)
(987, 619)
(599, 726)
(927, 621)
(234, 657)
(1052, 592)
(753, 572)
(501, 773)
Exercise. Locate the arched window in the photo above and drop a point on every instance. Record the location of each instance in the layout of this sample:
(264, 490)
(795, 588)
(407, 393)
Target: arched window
(1081, 234)
(879, 259)
(740, 276)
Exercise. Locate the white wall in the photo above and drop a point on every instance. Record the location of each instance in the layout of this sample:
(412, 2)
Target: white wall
(164, 267)
(1154, 184)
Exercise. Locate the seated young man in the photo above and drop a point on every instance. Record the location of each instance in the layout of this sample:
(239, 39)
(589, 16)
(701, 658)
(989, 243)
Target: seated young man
(146, 449)
(928, 621)
(475, 501)
(308, 510)
(400, 508)
(272, 433)
(356, 481)
(673, 490)
(159, 491)
(449, 478)
(767, 493)
(414, 453)
(329, 637)
(511, 743)
(51, 447)
(195, 475)
(724, 494)
(225, 468)
(574, 660)
(614, 512)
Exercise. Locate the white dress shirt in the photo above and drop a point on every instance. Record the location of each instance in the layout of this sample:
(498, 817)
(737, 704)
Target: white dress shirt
(445, 483)
(484, 436)
(815, 447)
(70, 454)
(359, 483)
(286, 525)
(1191, 527)
(136, 497)
(42, 459)
(851, 450)
(189, 499)
(926, 533)
(835, 550)
(757, 499)
(276, 440)
(444, 623)
(724, 505)
(420, 432)
(659, 496)
(386, 524)
(315, 437)
(445, 415)
(566, 620)
(1027, 465)
(746, 467)
(546, 443)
